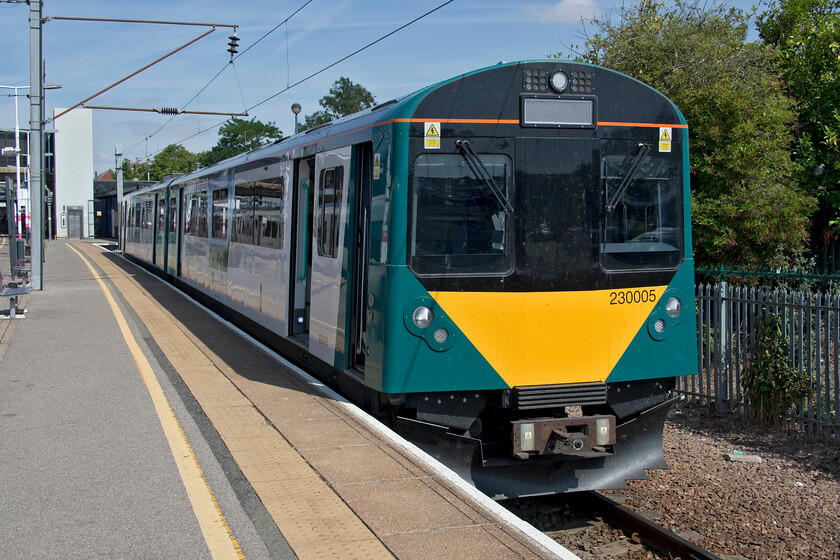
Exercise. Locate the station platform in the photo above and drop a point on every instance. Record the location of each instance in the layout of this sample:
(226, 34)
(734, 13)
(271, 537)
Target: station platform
(135, 424)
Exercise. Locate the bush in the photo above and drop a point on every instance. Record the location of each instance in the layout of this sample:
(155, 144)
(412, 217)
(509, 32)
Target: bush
(772, 386)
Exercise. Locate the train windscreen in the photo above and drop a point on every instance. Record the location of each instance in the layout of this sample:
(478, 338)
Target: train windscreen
(642, 218)
(460, 223)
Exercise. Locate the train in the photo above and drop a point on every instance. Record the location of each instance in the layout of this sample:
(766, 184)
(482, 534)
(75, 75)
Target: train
(499, 265)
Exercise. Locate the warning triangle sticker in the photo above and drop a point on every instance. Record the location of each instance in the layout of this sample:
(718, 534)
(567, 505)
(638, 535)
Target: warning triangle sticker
(665, 135)
(432, 131)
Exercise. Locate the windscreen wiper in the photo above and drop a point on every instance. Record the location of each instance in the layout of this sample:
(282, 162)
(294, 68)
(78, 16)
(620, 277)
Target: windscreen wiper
(481, 172)
(631, 174)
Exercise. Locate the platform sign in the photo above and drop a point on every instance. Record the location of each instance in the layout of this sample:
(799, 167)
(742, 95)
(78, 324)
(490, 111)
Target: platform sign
(431, 132)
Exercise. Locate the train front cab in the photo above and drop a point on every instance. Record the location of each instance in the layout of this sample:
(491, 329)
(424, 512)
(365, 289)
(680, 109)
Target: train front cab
(547, 303)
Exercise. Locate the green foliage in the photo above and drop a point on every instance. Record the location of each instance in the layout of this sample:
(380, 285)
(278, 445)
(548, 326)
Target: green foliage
(772, 385)
(746, 208)
(315, 119)
(806, 36)
(344, 98)
(237, 136)
(136, 170)
(172, 159)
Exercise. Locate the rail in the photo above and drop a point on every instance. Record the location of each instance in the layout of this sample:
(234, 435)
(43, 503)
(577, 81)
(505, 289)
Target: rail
(651, 534)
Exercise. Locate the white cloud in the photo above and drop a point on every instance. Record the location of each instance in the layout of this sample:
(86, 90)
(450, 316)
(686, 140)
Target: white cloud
(565, 11)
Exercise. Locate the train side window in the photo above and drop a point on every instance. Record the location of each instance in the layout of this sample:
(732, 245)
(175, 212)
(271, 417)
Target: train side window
(138, 221)
(269, 204)
(459, 226)
(201, 214)
(173, 211)
(242, 227)
(329, 217)
(190, 214)
(220, 213)
(161, 221)
(148, 213)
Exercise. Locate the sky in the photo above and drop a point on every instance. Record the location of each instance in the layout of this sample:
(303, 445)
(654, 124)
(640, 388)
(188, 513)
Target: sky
(86, 57)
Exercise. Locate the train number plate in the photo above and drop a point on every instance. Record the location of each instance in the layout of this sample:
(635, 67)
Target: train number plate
(626, 297)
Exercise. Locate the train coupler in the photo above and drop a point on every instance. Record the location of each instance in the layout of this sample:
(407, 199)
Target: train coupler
(587, 436)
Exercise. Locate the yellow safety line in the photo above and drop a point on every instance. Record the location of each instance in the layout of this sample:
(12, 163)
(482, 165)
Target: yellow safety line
(213, 524)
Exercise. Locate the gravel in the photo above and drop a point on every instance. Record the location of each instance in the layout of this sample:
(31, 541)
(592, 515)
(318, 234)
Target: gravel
(719, 496)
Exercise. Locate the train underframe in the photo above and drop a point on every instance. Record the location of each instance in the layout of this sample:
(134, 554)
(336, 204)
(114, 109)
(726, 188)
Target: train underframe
(509, 444)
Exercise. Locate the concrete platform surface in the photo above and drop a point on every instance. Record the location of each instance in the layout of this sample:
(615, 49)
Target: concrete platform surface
(133, 424)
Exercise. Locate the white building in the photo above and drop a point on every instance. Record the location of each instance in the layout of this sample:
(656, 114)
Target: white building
(74, 174)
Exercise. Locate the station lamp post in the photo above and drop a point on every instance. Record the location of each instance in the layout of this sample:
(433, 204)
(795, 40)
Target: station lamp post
(296, 110)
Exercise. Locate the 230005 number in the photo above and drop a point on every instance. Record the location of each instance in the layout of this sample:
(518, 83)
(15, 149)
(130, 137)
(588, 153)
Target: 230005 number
(632, 296)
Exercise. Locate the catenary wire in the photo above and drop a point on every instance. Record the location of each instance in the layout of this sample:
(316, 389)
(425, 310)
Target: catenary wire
(219, 73)
(322, 70)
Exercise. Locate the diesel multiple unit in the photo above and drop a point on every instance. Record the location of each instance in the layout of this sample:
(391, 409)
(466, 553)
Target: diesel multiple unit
(499, 264)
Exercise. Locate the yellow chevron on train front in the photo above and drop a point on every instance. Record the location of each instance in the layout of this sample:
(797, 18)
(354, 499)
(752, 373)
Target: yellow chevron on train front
(543, 338)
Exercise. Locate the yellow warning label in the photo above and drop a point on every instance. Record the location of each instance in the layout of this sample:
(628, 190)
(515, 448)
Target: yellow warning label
(665, 136)
(376, 165)
(432, 135)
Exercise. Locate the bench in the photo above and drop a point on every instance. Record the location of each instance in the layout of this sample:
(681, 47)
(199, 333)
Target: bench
(13, 287)
(23, 268)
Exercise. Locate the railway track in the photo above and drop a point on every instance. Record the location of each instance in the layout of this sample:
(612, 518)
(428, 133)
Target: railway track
(595, 526)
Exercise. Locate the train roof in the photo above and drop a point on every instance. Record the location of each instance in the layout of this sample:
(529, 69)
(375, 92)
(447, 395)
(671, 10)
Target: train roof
(403, 107)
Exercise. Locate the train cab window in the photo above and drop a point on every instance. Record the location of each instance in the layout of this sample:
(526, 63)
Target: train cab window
(220, 214)
(642, 218)
(459, 225)
(329, 216)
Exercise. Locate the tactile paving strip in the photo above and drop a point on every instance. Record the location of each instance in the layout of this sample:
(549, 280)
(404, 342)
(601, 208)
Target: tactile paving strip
(314, 520)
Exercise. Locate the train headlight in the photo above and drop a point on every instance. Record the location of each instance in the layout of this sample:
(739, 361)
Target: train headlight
(659, 326)
(673, 307)
(423, 317)
(441, 336)
(559, 81)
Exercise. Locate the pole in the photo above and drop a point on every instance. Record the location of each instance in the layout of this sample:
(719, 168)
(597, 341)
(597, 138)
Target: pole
(36, 156)
(10, 219)
(17, 165)
(119, 172)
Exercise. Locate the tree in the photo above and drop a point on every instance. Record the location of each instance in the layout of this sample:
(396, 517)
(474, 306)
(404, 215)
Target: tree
(172, 159)
(344, 98)
(747, 211)
(806, 36)
(237, 136)
(136, 170)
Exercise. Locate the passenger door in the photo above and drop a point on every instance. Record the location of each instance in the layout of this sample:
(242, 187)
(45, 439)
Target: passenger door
(329, 259)
(364, 165)
(172, 234)
(160, 230)
(301, 279)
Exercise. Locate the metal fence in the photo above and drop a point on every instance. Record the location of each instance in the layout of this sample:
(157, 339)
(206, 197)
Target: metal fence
(726, 327)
